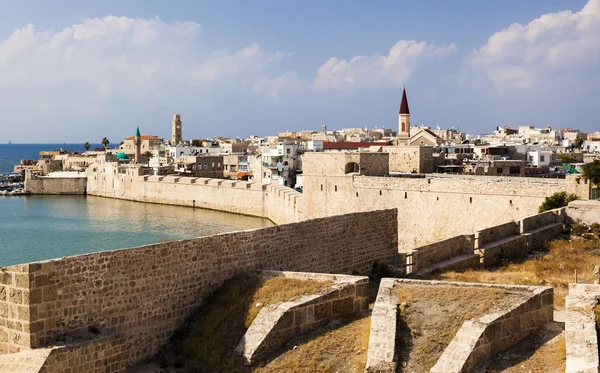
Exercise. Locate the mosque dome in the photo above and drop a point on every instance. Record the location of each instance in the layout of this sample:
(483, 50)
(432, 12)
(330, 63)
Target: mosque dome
(122, 156)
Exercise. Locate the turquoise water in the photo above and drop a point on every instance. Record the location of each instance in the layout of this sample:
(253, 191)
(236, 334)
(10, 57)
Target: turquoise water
(34, 228)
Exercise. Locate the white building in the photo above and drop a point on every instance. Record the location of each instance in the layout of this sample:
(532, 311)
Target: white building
(185, 151)
(278, 163)
(539, 158)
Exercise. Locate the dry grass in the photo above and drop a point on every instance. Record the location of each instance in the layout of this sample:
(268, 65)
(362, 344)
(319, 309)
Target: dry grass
(555, 267)
(341, 349)
(207, 342)
(543, 351)
(433, 315)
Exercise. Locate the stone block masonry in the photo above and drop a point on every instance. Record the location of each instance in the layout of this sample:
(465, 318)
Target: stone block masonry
(56, 185)
(146, 293)
(101, 354)
(278, 323)
(279, 204)
(580, 329)
(476, 341)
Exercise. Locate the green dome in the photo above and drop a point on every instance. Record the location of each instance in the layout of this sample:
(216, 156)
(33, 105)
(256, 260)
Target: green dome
(122, 156)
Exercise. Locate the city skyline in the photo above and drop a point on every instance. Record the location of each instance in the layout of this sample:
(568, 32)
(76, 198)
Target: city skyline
(73, 72)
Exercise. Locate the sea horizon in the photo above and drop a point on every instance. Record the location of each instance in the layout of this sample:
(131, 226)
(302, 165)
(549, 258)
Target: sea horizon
(12, 154)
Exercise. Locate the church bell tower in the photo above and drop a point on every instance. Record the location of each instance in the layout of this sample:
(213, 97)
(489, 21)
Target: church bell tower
(404, 117)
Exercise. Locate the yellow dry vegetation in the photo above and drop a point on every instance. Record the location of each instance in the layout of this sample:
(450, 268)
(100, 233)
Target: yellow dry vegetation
(341, 349)
(223, 320)
(544, 351)
(430, 316)
(554, 267)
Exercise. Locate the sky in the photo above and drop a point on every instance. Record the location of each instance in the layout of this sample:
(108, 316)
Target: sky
(75, 71)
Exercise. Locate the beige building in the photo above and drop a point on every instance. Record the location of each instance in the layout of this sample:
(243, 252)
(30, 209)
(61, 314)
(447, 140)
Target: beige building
(236, 167)
(210, 166)
(147, 143)
(495, 167)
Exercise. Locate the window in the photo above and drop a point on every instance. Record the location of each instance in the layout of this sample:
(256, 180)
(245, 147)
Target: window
(322, 187)
(206, 166)
(499, 170)
(542, 158)
(288, 151)
(335, 188)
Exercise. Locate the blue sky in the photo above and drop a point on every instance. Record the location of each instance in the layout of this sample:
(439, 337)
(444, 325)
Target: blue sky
(74, 71)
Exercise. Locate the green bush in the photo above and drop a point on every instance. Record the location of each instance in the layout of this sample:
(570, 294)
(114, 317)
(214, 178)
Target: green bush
(591, 171)
(557, 200)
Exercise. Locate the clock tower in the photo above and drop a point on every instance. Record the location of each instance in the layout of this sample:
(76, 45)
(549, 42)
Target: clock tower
(176, 131)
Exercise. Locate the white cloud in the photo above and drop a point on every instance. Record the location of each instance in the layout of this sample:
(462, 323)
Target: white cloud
(393, 69)
(84, 65)
(288, 82)
(360, 71)
(222, 65)
(524, 56)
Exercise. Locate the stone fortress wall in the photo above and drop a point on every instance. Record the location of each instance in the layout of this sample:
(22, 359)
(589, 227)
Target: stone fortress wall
(431, 208)
(55, 185)
(145, 294)
(278, 203)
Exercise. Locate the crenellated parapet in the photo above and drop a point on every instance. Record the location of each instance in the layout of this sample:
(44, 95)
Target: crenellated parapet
(278, 203)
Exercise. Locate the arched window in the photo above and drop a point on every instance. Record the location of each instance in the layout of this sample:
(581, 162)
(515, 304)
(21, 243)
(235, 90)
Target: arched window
(403, 127)
(352, 167)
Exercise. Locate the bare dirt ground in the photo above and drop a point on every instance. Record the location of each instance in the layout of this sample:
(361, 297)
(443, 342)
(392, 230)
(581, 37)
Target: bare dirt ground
(431, 316)
(543, 352)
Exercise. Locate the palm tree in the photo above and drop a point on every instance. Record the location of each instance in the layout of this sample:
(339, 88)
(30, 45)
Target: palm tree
(105, 142)
(148, 155)
(86, 145)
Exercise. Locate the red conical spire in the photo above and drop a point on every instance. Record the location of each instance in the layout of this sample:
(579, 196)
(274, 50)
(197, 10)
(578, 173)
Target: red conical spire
(404, 104)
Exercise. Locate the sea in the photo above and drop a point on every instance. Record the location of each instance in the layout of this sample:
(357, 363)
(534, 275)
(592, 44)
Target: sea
(34, 228)
(11, 154)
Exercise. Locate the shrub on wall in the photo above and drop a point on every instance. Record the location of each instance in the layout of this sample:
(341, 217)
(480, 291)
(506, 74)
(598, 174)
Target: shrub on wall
(557, 200)
(591, 171)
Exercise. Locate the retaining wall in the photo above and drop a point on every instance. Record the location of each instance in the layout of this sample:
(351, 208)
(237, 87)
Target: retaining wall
(276, 324)
(101, 354)
(496, 233)
(580, 329)
(146, 293)
(476, 341)
(479, 340)
(443, 250)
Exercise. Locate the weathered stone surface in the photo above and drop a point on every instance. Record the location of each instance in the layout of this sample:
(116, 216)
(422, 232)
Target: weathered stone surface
(476, 341)
(276, 324)
(580, 329)
(145, 293)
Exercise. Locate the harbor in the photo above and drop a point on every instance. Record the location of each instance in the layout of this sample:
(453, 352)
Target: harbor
(11, 184)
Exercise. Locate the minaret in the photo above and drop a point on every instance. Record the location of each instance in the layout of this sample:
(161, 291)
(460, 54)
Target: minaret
(404, 117)
(176, 137)
(138, 143)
